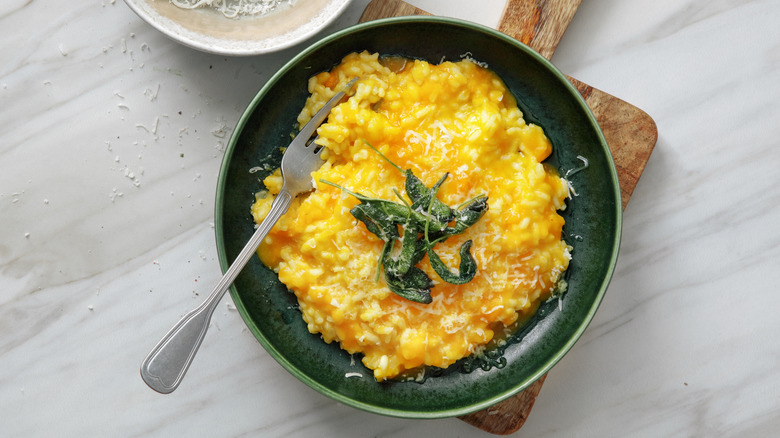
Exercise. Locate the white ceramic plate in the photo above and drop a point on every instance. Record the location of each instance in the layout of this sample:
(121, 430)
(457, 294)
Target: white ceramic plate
(210, 31)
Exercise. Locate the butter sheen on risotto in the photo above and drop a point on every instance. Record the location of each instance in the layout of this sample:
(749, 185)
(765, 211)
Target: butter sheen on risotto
(453, 117)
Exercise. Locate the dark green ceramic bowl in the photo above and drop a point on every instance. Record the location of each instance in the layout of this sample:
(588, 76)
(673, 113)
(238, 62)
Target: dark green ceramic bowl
(593, 220)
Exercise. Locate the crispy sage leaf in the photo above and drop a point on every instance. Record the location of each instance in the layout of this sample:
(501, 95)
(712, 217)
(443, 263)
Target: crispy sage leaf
(413, 249)
(376, 221)
(469, 215)
(425, 222)
(414, 286)
(424, 201)
(468, 266)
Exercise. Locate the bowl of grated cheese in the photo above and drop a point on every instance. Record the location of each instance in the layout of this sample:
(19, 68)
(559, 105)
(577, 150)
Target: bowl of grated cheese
(239, 27)
(317, 299)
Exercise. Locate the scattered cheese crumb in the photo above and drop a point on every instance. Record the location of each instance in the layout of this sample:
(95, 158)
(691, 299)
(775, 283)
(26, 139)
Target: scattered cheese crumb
(115, 193)
(152, 95)
(221, 130)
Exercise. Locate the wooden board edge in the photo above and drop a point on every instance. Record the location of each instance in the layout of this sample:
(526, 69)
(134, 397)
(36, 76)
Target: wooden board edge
(623, 124)
(548, 21)
(509, 415)
(377, 9)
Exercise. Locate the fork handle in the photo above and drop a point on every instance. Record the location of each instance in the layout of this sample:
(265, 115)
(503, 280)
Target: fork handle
(165, 366)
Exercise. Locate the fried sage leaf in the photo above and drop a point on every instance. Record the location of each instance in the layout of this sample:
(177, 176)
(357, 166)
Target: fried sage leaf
(413, 250)
(467, 267)
(376, 220)
(469, 214)
(425, 222)
(414, 286)
(424, 201)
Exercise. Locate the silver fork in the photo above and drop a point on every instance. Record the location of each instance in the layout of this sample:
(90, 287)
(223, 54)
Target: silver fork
(165, 366)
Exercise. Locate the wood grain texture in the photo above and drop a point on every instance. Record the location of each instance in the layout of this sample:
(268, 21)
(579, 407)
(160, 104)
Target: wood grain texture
(508, 416)
(539, 24)
(631, 135)
(389, 8)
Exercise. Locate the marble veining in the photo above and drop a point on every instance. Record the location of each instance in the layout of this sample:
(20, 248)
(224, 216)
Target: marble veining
(111, 138)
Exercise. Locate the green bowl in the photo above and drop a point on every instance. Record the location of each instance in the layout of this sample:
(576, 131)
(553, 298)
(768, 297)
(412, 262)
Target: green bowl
(593, 221)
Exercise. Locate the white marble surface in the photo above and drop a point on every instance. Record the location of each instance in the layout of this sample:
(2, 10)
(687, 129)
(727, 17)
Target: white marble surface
(110, 143)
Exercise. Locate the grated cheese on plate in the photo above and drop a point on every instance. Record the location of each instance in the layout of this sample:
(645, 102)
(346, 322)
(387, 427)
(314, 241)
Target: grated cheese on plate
(233, 8)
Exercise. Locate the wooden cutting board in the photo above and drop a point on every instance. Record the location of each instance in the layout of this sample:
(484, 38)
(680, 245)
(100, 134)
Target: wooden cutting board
(630, 133)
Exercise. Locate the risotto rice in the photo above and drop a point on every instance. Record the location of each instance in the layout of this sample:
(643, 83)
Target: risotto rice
(455, 117)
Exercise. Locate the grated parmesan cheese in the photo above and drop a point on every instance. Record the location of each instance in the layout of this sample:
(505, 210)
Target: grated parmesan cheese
(233, 8)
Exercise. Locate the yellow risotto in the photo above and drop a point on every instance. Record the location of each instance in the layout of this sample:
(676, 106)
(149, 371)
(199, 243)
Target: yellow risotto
(456, 118)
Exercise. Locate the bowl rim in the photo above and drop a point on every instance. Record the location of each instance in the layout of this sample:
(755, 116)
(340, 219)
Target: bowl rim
(140, 7)
(516, 387)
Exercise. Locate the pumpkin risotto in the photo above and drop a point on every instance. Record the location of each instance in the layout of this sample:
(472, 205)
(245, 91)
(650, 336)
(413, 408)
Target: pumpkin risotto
(456, 119)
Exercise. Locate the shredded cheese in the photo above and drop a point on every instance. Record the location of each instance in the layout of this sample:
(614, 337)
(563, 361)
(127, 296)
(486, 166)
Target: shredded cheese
(233, 8)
